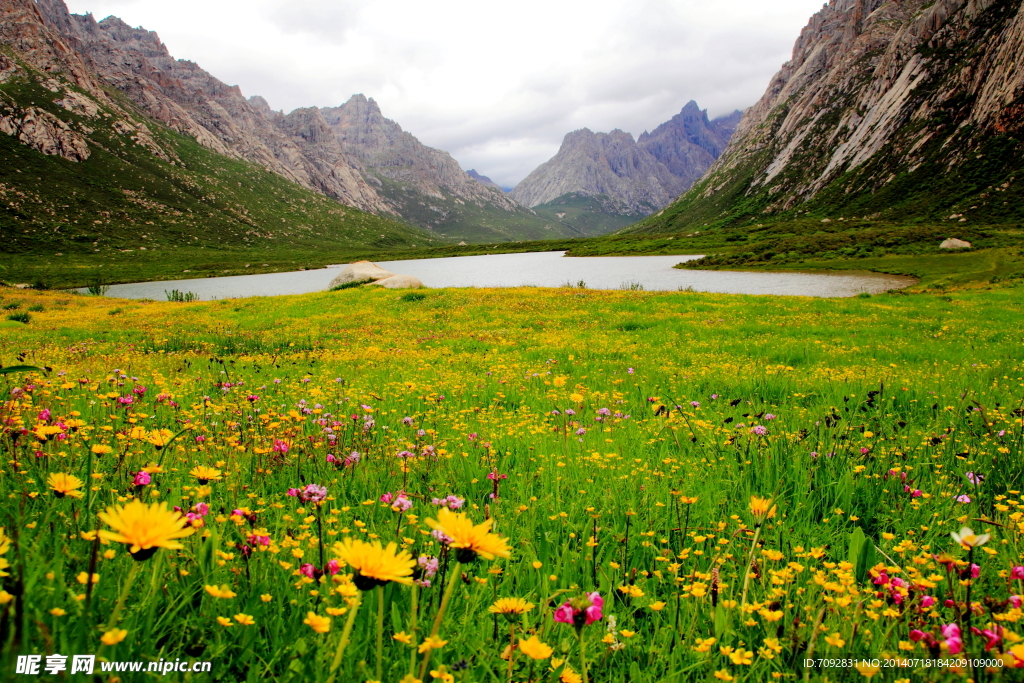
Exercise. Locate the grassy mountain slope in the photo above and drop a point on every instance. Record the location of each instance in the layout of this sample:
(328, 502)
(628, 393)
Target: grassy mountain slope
(586, 216)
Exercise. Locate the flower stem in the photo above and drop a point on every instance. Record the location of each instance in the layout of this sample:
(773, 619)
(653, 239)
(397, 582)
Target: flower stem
(345, 637)
(412, 626)
(750, 561)
(583, 657)
(455, 577)
(116, 614)
(380, 630)
(511, 649)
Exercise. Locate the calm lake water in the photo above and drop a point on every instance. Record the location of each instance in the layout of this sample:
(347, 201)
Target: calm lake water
(540, 269)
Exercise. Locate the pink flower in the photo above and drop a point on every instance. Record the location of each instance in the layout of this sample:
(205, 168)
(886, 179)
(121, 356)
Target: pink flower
(917, 635)
(280, 446)
(992, 638)
(307, 570)
(333, 567)
(759, 430)
(581, 611)
(1016, 601)
(293, 492)
(1017, 573)
(331, 459)
(142, 478)
(313, 493)
(951, 633)
(963, 499)
(927, 601)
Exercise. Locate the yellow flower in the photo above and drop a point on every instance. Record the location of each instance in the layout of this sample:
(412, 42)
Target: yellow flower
(375, 565)
(5, 597)
(206, 474)
(866, 669)
(657, 606)
(409, 678)
(510, 608)
(160, 437)
(64, 484)
(244, 619)
(632, 591)
(266, 597)
(570, 676)
(114, 636)
(223, 621)
(742, 656)
(101, 449)
(403, 638)
(687, 500)
(57, 612)
(317, 623)
(533, 648)
(220, 592)
(470, 540)
(537, 565)
(83, 578)
(703, 645)
(723, 675)
(761, 508)
(969, 539)
(626, 633)
(431, 643)
(834, 640)
(145, 528)
(336, 611)
(441, 674)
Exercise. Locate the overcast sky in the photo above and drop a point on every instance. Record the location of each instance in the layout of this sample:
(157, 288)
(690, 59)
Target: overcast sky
(495, 84)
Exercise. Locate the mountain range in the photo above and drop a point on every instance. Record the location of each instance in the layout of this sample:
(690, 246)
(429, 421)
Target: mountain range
(350, 153)
(898, 111)
(599, 178)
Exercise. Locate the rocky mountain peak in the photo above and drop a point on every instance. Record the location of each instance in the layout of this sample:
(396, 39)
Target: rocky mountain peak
(637, 175)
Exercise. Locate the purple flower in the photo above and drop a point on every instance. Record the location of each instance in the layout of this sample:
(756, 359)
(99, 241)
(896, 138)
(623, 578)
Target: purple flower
(603, 411)
(975, 479)
(407, 421)
(428, 564)
(769, 416)
(570, 411)
(352, 459)
(963, 499)
(313, 493)
(759, 430)
(581, 431)
(696, 404)
(630, 370)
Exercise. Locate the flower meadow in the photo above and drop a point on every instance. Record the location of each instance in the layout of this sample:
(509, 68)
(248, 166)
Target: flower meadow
(516, 485)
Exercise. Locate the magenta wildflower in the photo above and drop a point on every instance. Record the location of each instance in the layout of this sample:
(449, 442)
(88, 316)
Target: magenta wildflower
(1017, 573)
(313, 493)
(280, 446)
(759, 430)
(142, 477)
(581, 611)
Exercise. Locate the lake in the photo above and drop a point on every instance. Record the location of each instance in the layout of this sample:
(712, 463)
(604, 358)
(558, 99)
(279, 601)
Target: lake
(539, 269)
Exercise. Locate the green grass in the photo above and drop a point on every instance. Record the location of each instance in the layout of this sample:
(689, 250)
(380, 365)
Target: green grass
(647, 502)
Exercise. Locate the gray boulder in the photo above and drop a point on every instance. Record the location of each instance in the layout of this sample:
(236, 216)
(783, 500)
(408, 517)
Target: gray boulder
(953, 243)
(399, 282)
(360, 271)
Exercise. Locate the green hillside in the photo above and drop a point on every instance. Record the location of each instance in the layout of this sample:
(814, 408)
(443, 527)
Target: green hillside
(585, 216)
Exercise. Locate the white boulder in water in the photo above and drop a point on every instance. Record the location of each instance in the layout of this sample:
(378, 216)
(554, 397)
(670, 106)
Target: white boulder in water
(360, 271)
(399, 282)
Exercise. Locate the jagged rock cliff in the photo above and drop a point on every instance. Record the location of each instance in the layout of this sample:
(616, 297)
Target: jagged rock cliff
(634, 177)
(900, 109)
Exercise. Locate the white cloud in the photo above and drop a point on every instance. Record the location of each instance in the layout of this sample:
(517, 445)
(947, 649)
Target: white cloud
(497, 85)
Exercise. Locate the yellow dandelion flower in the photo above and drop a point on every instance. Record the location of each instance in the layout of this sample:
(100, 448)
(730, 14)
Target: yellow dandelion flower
(761, 508)
(657, 606)
(206, 474)
(145, 528)
(223, 621)
(375, 565)
(114, 636)
(101, 449)
(244, 619)
(317, 623)
(468, 539)
(533, 648)
(64, 484)
(570, 676)
(741, 656)
(510, 608)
